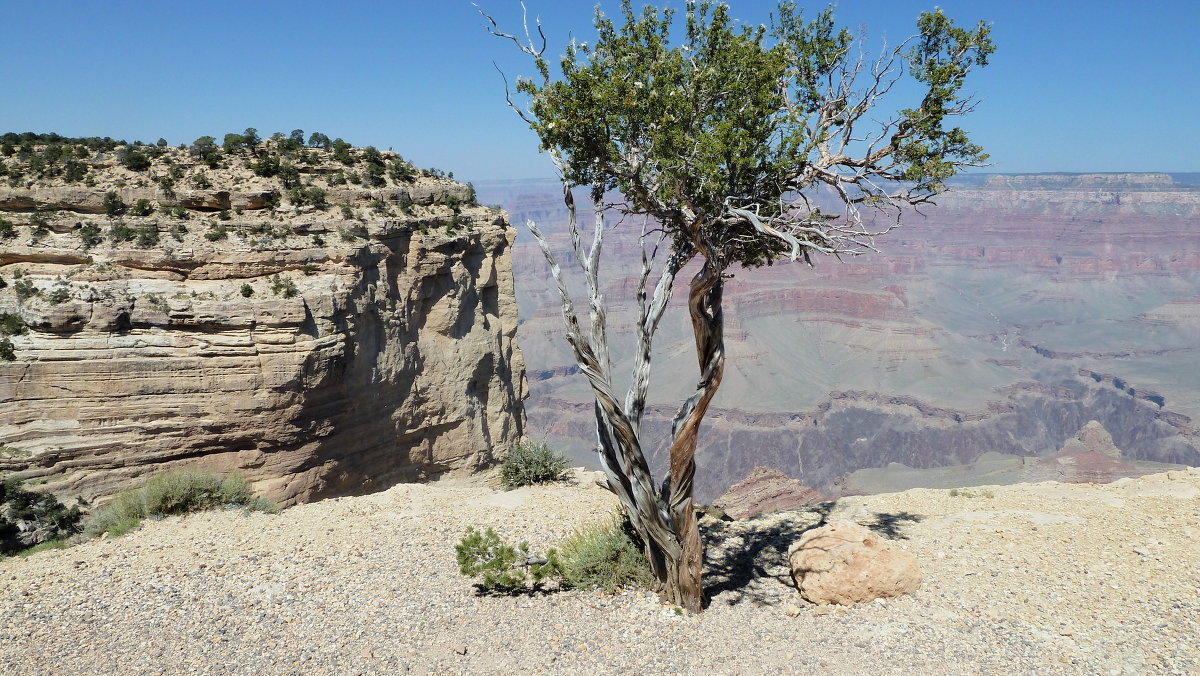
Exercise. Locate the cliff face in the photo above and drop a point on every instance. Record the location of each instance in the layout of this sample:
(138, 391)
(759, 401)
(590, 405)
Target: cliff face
(318, 349)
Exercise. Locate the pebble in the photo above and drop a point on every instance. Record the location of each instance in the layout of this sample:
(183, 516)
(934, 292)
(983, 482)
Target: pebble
(368, 585)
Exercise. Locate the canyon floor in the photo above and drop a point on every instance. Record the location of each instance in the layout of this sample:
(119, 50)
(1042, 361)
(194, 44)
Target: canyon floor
(1031, 578)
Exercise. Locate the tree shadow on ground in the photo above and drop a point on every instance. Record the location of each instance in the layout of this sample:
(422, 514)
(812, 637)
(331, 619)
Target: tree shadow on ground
(746, 561)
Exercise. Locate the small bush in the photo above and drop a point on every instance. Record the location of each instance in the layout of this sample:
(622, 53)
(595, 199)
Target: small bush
(90, 235)
(7, 351)
(119, 232)
(530, 463)
(28, 519)
(247, 291)
(173, 493)
(283, 285)
(12, 325)
(25, 289)
(142, 207)
(60, 294)
(147, 236)
(113, 204)
(606, 556)
(7, 229)
(502, 566)
(216, 233)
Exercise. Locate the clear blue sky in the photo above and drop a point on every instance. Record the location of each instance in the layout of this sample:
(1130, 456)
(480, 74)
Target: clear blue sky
(1076, 85)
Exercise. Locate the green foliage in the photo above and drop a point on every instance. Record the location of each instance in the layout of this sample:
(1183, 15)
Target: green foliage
(74, 171)
(25, 288)
(501, 566)
(347, 212)
(341, 152)
(302, 195)
(201, 181)
(224, 215)
(401, 171)
(318, 140)
(90, 235)
(12, 325)
(170, 494)
(247, 291)
(266, 166)
(734, 115)
(531, 463)
(283, 285)
(134, 159)
(608, 556)
(28, 518)
(147, 236)
(60, 294)
(113, 204)
(143, 207)
(120, 232)
(216, 232)
(233, 143)
(7, 229)
(7, 351)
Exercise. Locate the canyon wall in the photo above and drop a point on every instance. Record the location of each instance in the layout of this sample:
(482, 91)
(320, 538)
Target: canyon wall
(318, 349)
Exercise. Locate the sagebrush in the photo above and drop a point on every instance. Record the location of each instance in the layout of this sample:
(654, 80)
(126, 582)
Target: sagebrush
(532, 463)
(174, 493)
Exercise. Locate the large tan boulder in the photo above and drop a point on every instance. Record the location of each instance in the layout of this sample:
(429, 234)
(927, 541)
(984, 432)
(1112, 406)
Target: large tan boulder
(845, 563)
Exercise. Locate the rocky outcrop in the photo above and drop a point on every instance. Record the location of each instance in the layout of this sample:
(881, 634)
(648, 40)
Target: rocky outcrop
(845, 563)
(317, 349)
(767, 490)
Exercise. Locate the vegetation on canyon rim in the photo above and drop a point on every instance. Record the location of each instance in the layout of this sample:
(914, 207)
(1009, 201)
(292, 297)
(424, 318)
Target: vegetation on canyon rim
(721, 141)
(31, 521)
(286, 160)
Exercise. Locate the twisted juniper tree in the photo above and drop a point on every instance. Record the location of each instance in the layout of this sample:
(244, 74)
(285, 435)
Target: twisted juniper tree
(721, 136)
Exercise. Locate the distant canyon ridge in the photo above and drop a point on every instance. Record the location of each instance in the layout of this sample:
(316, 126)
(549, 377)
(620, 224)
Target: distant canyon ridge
(1021, 313)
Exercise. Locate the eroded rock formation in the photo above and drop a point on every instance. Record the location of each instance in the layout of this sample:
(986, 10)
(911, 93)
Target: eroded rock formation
(317, 346)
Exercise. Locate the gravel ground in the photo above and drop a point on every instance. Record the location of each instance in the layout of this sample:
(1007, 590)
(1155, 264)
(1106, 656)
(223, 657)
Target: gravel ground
(1037, 578)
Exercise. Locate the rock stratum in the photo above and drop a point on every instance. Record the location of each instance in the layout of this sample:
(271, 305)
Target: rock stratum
(337, 336)
(1001, 321)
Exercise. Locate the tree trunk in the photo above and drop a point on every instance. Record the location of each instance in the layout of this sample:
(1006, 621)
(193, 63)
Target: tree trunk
(704, 305)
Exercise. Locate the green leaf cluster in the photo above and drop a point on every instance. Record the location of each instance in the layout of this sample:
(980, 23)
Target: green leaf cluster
(501, 566)
(732, 114)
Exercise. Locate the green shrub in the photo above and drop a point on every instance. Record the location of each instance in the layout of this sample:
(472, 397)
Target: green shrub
(7, 230)
(529, 463)
(12, 325)
(60, 294)
(142, 207)
(224, 215)
(25, 289)
(134, 160)
(113, 204)
(283, 285)
(201, 181)
(173, 493)
(501, 566)
(147, 236)
(7, 351)
(120, 232)
(216, 233)
(74, 171)
(90, 235)
(606, 556)
(28, 518)
(247, 291)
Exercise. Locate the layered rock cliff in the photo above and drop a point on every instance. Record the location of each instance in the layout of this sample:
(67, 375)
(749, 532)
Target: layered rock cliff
(333, 325)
